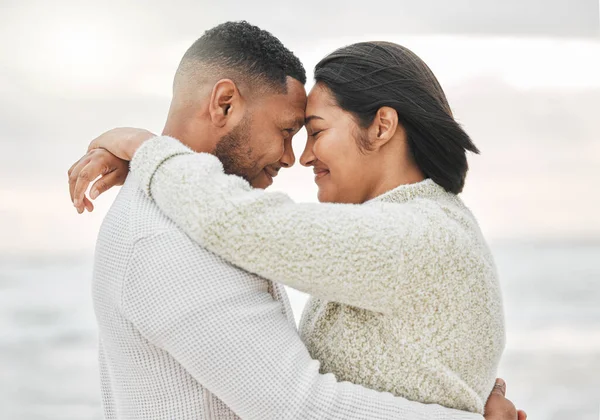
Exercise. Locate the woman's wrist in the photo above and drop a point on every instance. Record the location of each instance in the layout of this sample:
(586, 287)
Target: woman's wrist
(136, 141)
(122, 142)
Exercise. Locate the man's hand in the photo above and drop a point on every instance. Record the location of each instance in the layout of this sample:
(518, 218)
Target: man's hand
(108, 158)
(500, 408)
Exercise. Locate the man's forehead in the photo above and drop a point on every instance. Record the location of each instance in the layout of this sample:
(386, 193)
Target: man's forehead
(289, 107)
(296, 94)
(295, 119)
(292, 113)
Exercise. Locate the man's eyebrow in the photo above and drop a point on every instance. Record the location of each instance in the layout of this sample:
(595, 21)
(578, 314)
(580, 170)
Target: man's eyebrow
(294, 125)
(299, 122)
(311, 117)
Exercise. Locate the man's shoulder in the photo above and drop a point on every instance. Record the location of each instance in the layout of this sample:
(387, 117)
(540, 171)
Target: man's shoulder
(147, 227)
(136, 214)
(155, 243)
(170, 263)
(135, 225)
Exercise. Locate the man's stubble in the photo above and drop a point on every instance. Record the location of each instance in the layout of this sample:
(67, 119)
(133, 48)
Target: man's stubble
(235, 153)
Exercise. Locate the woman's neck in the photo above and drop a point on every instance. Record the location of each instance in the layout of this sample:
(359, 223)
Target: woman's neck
(391, 179)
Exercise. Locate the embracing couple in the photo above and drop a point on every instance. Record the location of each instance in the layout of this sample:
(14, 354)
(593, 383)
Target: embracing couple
(405, 319)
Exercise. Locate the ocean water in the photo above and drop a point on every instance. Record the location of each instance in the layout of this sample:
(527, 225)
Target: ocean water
(551, 292)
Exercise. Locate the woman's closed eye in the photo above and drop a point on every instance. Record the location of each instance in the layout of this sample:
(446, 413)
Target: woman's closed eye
(314, 134)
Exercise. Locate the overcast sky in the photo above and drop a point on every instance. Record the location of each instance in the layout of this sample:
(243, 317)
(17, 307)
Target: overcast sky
(522, 76)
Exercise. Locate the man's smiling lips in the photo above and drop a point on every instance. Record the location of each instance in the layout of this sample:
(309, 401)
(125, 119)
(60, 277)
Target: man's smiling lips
(271, 173)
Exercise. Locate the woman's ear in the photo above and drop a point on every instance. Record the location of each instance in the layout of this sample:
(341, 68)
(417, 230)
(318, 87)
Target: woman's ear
(225, 103)
(384, 127)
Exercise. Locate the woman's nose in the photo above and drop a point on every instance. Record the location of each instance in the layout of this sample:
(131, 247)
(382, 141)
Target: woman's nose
(308, 157)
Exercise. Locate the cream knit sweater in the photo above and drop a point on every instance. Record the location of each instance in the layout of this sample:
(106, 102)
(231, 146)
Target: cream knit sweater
(406, 293)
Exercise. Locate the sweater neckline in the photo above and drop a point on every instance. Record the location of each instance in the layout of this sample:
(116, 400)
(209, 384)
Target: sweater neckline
(403, 193)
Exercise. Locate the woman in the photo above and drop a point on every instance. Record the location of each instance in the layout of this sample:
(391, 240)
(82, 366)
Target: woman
(405, 291)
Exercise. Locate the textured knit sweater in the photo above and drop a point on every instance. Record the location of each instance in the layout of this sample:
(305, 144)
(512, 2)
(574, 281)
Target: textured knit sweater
(185, 335)
(406, 292)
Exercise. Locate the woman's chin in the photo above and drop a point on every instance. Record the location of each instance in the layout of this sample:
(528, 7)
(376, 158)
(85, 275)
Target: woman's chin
(322, 196)
(325, 196)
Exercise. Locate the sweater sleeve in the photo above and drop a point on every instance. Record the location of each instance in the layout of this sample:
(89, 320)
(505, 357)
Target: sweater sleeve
(362, 256)
(224, 328)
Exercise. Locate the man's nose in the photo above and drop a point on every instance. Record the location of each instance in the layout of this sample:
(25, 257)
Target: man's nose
(288, 159)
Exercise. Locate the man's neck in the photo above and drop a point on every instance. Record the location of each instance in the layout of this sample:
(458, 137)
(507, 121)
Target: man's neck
(199, 140)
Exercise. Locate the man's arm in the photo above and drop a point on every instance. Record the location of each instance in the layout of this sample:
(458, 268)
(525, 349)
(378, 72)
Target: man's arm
(225, 329)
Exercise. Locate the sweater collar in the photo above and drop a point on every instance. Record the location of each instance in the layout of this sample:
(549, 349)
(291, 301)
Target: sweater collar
(403, 193)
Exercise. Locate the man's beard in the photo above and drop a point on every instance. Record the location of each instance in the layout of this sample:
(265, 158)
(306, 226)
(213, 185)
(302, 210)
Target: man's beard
(234, 151)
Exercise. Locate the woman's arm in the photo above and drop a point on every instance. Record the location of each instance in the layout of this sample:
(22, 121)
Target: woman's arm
(359, 255)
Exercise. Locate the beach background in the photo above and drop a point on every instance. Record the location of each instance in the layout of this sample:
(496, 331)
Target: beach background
(523, 77)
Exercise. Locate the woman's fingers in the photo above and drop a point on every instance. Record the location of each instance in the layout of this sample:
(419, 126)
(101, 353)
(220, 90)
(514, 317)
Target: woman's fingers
(96, 163)
(106, 182)
(74, 172)
(103, 160)
(96, 166)
(88, 204)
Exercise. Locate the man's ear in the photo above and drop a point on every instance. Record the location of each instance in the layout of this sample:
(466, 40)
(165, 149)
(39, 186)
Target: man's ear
(226, 103)
(384, 127)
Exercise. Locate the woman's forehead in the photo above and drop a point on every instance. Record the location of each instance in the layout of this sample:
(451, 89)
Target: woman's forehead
(320, 101)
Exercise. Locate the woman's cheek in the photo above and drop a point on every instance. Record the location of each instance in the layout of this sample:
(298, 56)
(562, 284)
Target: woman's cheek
(320, 151)
(331, 150)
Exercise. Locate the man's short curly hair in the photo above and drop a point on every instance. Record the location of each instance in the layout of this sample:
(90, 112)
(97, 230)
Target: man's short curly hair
(245, 50)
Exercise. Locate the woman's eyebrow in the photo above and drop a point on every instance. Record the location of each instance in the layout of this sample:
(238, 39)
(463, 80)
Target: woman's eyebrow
(311, 117)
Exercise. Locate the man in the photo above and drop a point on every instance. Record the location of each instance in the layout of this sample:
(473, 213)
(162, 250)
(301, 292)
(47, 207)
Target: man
(183, 334)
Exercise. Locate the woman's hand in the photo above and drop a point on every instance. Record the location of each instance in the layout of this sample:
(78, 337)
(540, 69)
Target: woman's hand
(122, 142)
(108, 157)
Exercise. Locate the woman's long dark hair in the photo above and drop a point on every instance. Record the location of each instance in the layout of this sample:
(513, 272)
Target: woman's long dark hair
(366, 76)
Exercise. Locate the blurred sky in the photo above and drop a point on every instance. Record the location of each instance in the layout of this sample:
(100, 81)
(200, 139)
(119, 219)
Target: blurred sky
(523, 76)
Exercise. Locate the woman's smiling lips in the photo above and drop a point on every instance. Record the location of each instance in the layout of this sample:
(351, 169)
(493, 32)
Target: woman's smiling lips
(320, 173)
